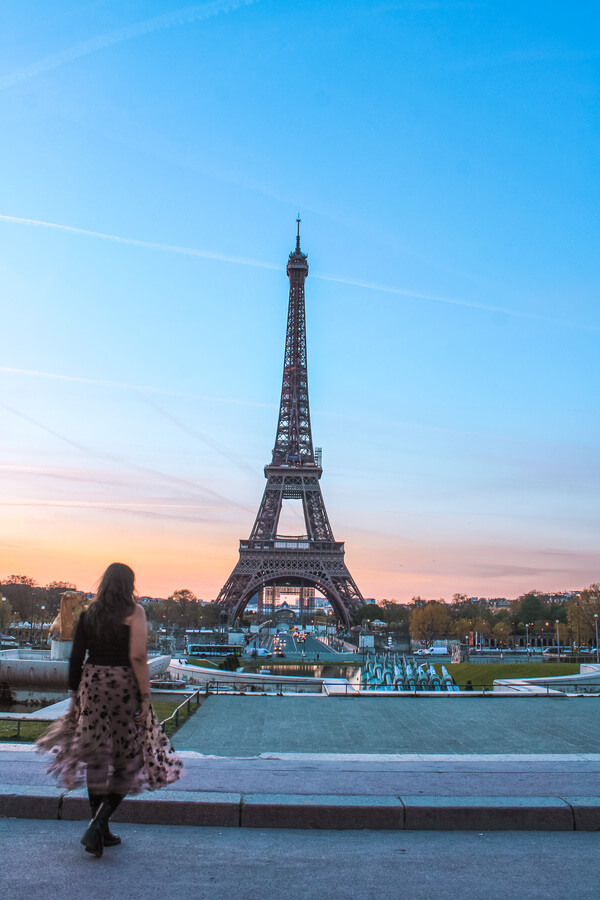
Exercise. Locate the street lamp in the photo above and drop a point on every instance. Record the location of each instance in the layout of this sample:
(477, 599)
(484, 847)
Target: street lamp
(557, 643)
(31, 617)
(2, 608)
(596, 624)
(527, 638)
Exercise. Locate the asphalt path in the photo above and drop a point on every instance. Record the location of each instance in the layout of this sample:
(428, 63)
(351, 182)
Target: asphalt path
(303, 651)
(158, 861)
(468, 776)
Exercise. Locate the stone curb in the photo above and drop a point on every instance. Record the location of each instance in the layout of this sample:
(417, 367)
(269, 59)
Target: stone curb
(326, 811)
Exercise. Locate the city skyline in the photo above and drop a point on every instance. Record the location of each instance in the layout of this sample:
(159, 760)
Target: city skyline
(443, 159)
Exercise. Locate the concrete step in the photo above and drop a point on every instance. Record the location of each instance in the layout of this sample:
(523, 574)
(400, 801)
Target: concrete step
(327, 811)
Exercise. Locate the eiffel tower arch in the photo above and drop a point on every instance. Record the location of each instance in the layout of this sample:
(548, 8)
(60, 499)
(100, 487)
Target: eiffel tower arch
(315, 558)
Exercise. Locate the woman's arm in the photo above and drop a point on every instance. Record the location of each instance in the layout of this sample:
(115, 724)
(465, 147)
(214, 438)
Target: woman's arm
(77, 654)
(138, 656)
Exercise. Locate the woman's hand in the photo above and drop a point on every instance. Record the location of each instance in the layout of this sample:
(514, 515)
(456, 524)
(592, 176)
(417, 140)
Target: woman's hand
(142, 713)
(72, 710)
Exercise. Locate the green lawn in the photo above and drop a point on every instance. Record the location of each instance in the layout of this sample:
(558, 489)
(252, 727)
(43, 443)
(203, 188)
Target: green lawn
(483, 674)
(164, 708)
(205, 663)
(28, 732)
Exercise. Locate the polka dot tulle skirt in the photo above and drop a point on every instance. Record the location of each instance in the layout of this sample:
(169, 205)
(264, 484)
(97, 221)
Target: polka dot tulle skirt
(99, 740)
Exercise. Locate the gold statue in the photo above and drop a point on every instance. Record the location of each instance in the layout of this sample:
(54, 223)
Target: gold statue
(72, 604)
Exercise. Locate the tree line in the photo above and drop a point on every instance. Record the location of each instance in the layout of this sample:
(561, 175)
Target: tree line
(27, 601)
(533, 615)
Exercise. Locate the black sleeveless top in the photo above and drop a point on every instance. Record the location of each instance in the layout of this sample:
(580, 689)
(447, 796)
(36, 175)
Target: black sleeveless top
(101, 651)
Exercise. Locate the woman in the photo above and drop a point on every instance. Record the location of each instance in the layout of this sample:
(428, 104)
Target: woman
(110, 738)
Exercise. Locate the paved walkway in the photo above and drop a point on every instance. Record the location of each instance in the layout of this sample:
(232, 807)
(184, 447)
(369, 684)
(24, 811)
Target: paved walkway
(347, 774)
(157, 861)
(248, 725)
(407, 764)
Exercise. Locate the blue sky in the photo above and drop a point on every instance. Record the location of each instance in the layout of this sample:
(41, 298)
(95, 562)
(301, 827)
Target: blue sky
(444, 159)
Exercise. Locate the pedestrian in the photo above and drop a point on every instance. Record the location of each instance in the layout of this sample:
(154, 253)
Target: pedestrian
(110, 738)
(469, 685)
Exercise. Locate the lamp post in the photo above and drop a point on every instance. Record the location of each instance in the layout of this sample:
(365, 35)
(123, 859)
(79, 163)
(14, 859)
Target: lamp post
(42, 611)
(527, 638)
(557, 643)
(31, 617)
(596, 624)
(2, 608)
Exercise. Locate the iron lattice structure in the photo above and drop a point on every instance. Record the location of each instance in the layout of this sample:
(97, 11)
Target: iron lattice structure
(315, 559)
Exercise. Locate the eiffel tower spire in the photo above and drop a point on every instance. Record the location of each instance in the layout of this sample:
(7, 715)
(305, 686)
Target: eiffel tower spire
(316, 559)
(293, 441)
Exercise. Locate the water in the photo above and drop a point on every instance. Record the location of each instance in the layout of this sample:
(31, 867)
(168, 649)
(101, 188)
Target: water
(21, 707)
(351, 673)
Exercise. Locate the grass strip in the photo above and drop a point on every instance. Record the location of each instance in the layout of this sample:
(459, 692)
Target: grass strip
(165, 708)
(205, 663)
(482, 675)
(30, 731)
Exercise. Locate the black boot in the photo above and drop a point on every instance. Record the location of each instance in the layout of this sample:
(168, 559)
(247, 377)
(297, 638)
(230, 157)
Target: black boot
(93, 836)
(110, 839)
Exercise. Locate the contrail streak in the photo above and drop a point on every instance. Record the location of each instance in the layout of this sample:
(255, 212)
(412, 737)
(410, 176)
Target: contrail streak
(107, 505)
(260, 264)
(389, 289)
(103, 382)
(185, 16)
(112, 458)
(142, 509)
(148, 245)
(204, 438)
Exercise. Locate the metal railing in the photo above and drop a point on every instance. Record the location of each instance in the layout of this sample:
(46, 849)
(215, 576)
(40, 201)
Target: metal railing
(483, 689)
(271, 687)
(292, 543)
(188, 703)
(24, 720)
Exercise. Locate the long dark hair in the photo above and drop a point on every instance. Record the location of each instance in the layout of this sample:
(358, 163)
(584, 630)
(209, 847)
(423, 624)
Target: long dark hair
(114, 601)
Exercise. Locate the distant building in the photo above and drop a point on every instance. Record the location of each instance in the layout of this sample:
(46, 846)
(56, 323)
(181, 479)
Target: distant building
(562, 596)
(299, 598)
(498, 603)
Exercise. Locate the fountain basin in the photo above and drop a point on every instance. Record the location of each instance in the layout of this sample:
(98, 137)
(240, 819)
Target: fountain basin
(35, 669)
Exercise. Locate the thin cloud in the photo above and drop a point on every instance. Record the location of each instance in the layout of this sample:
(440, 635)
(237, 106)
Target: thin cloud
(260, 264)
(103, 382)
(147, 245)
(78, 476)
(185, 16)
(436, 298)
(96, 504)
(183, 482)
(206, 439)
(147, 511)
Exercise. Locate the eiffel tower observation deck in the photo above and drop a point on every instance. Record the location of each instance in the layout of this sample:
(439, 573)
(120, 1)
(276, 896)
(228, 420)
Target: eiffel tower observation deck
(314, 559)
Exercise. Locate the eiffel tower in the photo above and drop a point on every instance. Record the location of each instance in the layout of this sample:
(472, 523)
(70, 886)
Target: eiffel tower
(315, 559)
